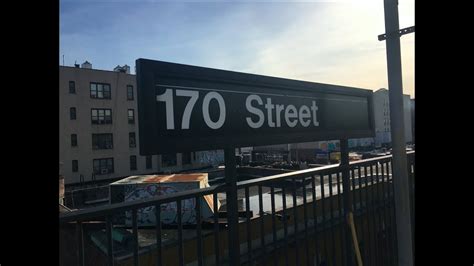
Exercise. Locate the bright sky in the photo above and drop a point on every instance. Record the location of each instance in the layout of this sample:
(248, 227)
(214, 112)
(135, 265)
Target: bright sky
(321, 41)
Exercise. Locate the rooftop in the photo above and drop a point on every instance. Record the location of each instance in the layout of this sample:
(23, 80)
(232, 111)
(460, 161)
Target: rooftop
(94, 69)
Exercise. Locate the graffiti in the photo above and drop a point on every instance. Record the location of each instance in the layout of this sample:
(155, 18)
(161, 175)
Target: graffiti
(210, 157)
(168, 212)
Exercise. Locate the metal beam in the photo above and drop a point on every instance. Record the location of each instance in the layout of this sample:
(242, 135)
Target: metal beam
(399, 163)
(400, 33)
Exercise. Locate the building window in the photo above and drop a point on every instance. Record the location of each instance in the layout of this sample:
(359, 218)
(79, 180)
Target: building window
(131, 140)
(72, 113)
(133, 162)
(102, 141)
(103, 166)
(186, 158)
(73, 140)
(131, 116)
(72, 87)
(75, 166)
(168, 159)
(100, 91)
(149, 164)
(130, 92)
(101, 116)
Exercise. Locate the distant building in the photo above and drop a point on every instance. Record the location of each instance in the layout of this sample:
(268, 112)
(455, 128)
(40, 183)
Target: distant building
(98, 128)
(306, 151)
(362, 142)
(407, 118)
(382, 118)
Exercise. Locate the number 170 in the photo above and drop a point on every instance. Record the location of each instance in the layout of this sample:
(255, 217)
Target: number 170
(167, 98)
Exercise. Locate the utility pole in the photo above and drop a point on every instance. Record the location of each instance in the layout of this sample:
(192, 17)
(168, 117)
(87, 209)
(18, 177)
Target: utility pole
(399, 161)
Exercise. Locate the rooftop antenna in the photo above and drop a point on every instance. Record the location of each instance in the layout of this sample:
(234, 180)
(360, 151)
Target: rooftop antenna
(63, 60)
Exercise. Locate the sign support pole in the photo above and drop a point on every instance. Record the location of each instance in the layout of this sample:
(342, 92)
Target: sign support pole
(232, 208)
(347, 200)
(399, 161)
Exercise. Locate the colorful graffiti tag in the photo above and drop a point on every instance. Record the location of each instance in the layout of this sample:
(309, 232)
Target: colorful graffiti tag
(169, 214)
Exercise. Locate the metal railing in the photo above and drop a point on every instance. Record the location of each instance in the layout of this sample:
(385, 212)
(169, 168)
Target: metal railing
(294, 218)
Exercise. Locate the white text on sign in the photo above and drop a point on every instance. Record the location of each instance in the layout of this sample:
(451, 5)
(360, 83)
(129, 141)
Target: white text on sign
(274, 114)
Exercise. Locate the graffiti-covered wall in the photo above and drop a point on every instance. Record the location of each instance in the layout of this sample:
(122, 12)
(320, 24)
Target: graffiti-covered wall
(169, 214)
(139, 187)
(214, 157)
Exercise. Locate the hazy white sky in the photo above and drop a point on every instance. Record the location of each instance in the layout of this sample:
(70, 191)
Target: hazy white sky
(321, 41)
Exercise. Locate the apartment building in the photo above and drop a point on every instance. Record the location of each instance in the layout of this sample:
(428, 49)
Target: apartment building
(98, 128)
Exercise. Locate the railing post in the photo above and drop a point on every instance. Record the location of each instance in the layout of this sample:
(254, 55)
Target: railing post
(232, 209)
(347, 200)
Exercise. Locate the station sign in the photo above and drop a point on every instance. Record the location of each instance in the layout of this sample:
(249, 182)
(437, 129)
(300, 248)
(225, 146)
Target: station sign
(188, 108)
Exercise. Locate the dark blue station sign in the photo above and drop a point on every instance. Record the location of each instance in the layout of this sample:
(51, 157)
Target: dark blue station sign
(188, 108)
